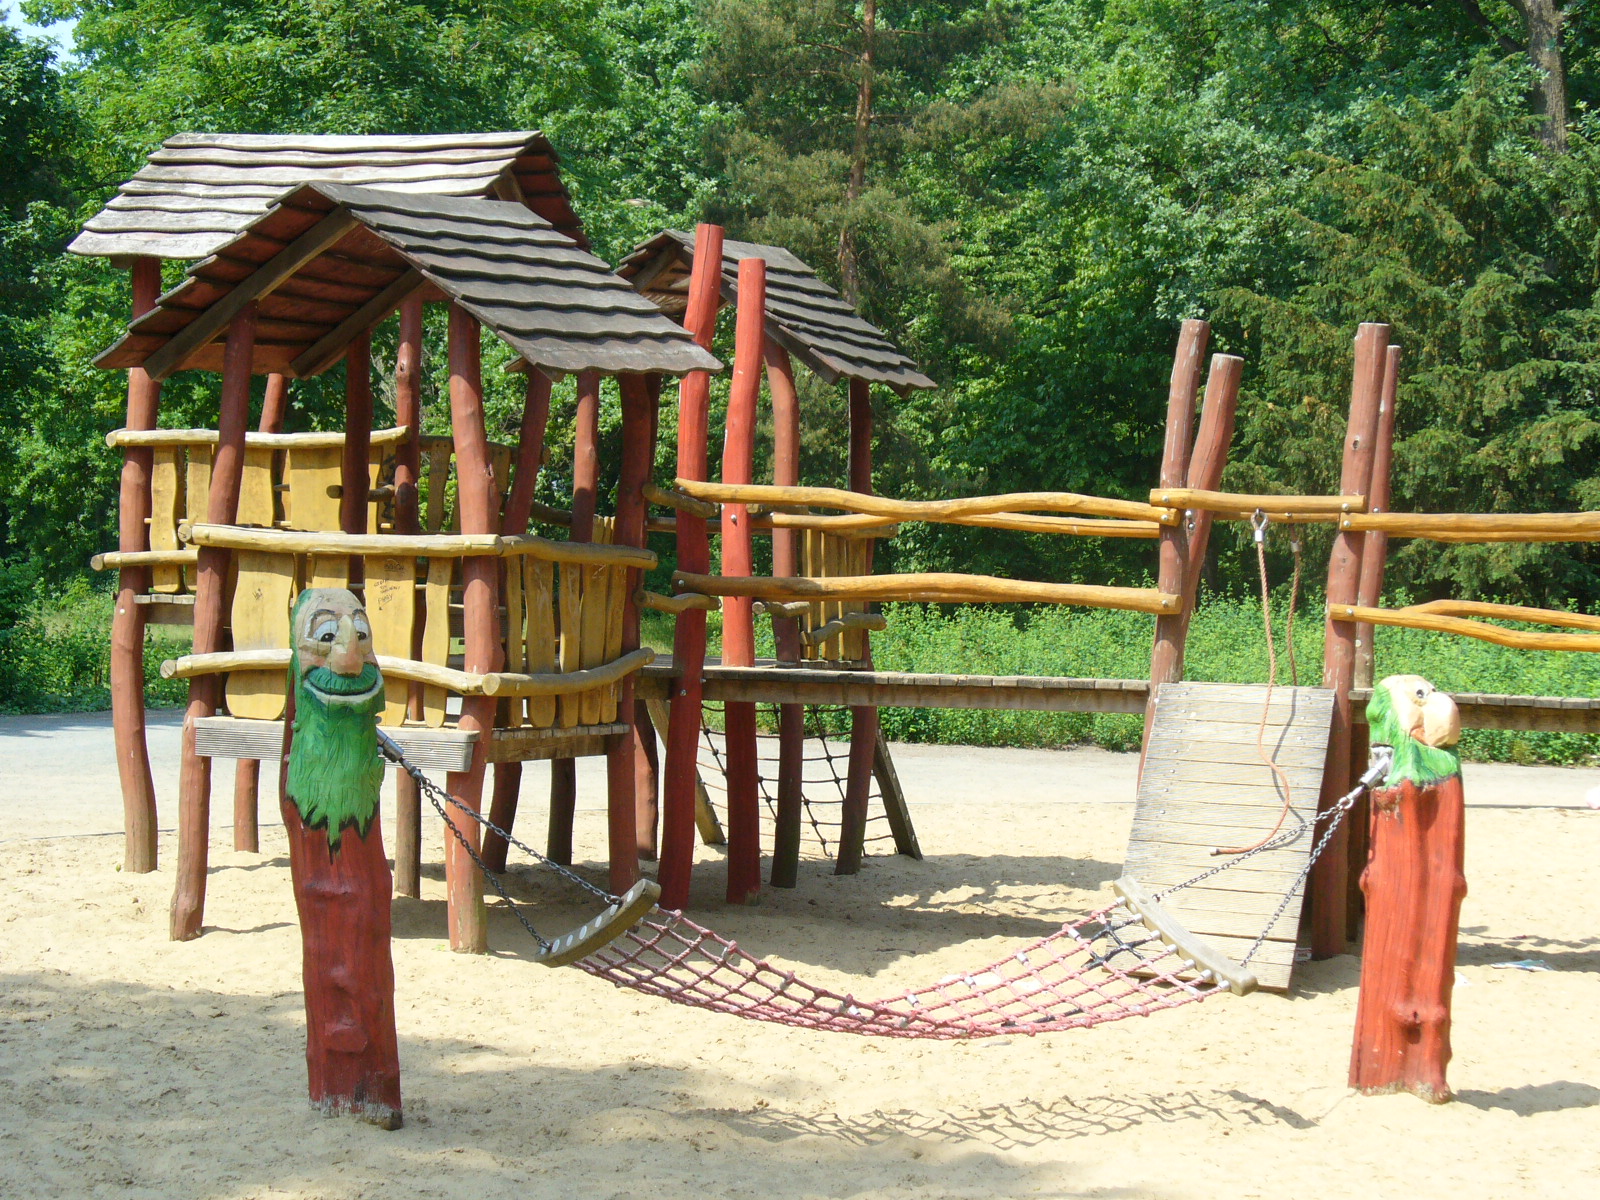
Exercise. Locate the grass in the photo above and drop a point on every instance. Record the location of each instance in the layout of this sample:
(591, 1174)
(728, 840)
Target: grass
(54, 654)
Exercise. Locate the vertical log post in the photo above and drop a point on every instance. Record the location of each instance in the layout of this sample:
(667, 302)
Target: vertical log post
(1414, 884)
(354, 470)
(681, 773)
(247, 771)
(622, 755)
(585, 494)
(646, 759)
(329, 798)
(1330, 878)
(477, 496)
(210, 603)
(786, 630)
(127, 621)
(1374, 552)
(519, 508)
(408, 519)
(863, 718)
(1166, 655)
(738, 621)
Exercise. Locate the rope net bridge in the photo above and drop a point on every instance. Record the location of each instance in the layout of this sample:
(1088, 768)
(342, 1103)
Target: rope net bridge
(1131, 958)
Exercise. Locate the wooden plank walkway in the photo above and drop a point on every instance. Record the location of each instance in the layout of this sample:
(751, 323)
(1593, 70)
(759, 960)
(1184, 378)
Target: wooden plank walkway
(1204, 785)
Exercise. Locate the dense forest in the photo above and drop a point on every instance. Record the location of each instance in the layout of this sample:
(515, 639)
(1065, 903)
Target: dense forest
(1027, 194)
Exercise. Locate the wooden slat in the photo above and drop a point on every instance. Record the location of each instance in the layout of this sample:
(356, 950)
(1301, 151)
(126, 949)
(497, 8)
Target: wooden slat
(516, 635)
(440, 451)
(618, 582)
(196, 493)
(232, 737)
(595, 602)
(571, 656)
(538, 581)
(166, 505)
(260, 619)
(436, 635)
(391, 603)
(257, 504)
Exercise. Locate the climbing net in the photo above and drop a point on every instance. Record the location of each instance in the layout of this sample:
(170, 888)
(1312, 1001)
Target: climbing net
(824, 774)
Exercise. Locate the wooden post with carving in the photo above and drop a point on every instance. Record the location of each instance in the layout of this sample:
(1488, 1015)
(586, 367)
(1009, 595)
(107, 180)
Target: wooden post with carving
(1414, 885)
(330, 789)
(408, 519)
(864, 724)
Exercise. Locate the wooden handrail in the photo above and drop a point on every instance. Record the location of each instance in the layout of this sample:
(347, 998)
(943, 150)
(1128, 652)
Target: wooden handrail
(1508, 612)
(876, 622)
(928, 510)
(1482, 527)
(422, 545)
(258, 441)
(869, 526)
(682, 602)
(1518, 639)
(1242, 504)
(505, 683)
(673, 498)
(928, 588)
(113, 560)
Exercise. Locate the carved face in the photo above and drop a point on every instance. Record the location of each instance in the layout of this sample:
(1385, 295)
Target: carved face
(1427, 714)
(333, 649)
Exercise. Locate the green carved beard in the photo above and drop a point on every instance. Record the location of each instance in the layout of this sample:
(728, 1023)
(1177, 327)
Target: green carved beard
(335, 771)
(1417, 761)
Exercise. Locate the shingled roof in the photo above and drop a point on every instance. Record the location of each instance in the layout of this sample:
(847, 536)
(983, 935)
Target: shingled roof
(328, 261)
(804, 315)
(200, 190)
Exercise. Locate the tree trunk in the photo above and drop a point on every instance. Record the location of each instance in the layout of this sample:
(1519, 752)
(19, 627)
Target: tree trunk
(1545, 19)
(849, 258)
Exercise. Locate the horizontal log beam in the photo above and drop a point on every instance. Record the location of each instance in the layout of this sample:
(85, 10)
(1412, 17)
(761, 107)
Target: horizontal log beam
(1243, 503)
(682, 602)
(1509, 612)
(876, 622)
(463, 683)
(505, 683)
(1517, 639)
(931, 588)
(1482, 527)
(673, 498)
(256, 441)
(113, 560)
(422, 545)
(869, 526)
(927, 510)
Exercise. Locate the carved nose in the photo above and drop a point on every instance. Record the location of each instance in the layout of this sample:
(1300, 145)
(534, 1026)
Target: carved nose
(346, 657)
(1440, 721)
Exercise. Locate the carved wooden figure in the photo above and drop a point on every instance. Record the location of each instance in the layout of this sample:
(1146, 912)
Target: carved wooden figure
(1414, 886)
(341, 875)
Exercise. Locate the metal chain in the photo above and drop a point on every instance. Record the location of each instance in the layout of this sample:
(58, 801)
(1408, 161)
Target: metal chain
(439, 798)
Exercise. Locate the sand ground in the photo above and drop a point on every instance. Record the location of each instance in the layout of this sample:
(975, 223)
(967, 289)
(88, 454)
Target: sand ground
(136, 1067)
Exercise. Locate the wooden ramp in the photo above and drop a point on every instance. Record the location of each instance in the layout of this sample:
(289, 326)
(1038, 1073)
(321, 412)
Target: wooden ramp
(1204, 785)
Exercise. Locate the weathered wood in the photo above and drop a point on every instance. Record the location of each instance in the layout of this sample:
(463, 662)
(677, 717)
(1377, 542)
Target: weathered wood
(436, 545)
(194, 774)
(680, 777)
(327, 349)
(1481, 527)
(263, 593)
(1520, 639)
(1375, 546)
(235, 737)
(943, 588)
(1170, 930)
(254, 439)
(1330, 879)
(1232, 503)
(391, 603)
(926, 510)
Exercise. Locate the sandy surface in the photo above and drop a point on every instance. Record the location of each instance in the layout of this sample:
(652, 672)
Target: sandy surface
(136, 1067)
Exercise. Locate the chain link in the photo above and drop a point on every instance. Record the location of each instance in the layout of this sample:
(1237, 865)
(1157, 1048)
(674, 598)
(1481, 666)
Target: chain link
(439, 798)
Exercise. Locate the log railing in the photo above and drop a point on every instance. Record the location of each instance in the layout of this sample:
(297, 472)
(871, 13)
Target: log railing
(1481, 527)
(1456, 616)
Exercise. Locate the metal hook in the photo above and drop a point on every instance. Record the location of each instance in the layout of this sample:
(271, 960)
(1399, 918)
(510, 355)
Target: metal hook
(1258, 522)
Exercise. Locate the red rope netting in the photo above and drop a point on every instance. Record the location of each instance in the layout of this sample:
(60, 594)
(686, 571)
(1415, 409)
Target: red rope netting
(1101, 968)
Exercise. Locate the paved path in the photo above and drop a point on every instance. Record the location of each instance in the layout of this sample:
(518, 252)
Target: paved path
(58, 777)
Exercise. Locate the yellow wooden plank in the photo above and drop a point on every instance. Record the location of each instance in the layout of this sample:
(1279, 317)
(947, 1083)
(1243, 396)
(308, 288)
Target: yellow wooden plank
(570, 600)
(436, 634)
(595, 601)
(391, 609)
(618, 589)
(437, 480)
(196, 493)
(256, 506)
(260, 618)
(538, 585)
(516, 633)
(166, 502)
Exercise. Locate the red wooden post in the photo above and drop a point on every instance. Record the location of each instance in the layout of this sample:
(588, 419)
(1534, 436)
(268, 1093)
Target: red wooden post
(681, 772)
(1374, 551)
(638, 455)
(785, 630)
(1166, 655)
(1327, 894)
(478, 501)
(247, 772)
(585, 490)
(519, 508)
(738, 623)
(222, 508)
(408, 519)
(354, 474)
(864, 718)
(646, 760)
(1211, 444)
(127, 621)
(1414, 884)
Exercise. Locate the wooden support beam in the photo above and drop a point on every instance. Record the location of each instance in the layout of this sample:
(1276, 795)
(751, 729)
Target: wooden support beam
(327, 349)
(930, 588)
(408, 520)
(1237, 504)
(261, 283)
(927, 510)
(1420, 618)
(864, 724)
(1480, 527)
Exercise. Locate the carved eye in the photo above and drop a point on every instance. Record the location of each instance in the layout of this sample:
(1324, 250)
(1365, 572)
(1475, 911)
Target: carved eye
(1422, 693)
(363, 628)
(325, 632)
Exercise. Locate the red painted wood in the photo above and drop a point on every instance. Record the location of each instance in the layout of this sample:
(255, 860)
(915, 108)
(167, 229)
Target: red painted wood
(127, 622)
(863, 719)
(519, 507)
(352, 1054)
(785, 631)
(563, 806)
(1166, 655)
(738, 620)
(681, 773)
(247, 772)
(354, 477)
(1327, 894)
(1414, 886)
(586, 457)
(222, 508)
(408, 519)
(478, 501)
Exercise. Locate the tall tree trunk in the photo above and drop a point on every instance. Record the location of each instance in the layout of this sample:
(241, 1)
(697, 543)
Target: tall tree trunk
(1545, 19)
(849, 259)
